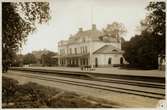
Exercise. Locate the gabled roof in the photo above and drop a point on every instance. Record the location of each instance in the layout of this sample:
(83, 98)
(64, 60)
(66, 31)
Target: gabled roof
(108, 49)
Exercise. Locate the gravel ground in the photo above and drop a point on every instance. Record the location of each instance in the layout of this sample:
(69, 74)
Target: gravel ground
(117, 99)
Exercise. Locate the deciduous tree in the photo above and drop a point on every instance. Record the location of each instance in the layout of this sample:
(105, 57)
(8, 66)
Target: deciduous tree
(143, 50)
(29, 59)
(18, 21)
(115, 30)
(47, 59)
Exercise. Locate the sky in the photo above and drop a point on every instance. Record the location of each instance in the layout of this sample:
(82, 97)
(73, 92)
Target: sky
(69, 15)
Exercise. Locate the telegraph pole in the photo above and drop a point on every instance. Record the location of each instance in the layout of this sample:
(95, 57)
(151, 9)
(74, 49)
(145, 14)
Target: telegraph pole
(91, 11)
(90, 50)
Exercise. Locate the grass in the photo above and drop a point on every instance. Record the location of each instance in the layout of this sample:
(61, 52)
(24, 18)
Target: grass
(33, 95)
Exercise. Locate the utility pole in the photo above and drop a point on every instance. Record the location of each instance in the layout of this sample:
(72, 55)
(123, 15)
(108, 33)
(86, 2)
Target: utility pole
(90, 53)
(90, 50)
(91, 11)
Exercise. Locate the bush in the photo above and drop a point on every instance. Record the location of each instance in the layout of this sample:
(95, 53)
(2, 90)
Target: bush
(9, 88)
(32, 95)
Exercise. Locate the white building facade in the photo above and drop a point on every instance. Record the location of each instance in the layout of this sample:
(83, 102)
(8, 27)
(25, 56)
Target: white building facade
(90, 47)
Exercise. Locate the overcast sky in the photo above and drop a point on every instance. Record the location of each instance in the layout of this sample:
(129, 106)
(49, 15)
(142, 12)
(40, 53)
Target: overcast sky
(69, 15)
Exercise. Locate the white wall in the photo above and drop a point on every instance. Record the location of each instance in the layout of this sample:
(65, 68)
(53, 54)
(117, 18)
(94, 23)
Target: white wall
(103, 59)
(92, 46)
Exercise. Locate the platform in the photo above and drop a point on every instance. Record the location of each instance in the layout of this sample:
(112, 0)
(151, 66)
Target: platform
(110, 70)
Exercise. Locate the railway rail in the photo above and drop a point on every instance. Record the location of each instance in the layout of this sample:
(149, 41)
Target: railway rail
(135, 87)
(94, 74)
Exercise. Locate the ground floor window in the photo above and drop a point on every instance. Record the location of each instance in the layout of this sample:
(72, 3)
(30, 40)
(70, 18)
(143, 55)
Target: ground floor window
(121, 60)
(96, 62)
(109, 61)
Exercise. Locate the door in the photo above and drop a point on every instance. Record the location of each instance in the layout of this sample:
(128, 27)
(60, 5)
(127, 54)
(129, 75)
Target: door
(121, 61)
(96, 62)
(109, 61)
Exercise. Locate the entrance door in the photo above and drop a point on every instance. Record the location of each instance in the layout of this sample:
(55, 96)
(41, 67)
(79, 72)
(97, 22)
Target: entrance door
(96, 62)
(109, 61)
(121, 61)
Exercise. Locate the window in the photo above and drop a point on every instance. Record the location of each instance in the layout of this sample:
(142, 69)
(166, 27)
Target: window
(70, 51)
(61, 51)
(96, 62)
(86, 49)
(83, 49)
(109, 61)
(80, 49)
(121, 60)
(75, 50)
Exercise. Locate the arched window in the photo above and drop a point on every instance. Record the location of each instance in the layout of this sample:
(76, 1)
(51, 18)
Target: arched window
(109, 61)
(121, 60)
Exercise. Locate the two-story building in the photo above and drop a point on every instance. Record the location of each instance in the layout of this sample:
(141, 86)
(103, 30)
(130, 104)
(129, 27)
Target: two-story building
(90, 47)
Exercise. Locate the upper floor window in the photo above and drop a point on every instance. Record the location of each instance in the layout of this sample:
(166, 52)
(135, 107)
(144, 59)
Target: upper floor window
(86, 51)
(80, 49)
(75, 50)
(70, 51)
(62, 51)
(83, 49)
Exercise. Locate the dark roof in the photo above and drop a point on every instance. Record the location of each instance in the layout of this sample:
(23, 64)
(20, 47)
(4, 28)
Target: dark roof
(92, 34)
(108, 49)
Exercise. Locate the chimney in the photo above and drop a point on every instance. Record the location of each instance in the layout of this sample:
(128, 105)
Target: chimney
(93, 26)
(80, 29)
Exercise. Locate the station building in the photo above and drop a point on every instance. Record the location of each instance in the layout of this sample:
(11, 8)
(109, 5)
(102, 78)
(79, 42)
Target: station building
(90, 47)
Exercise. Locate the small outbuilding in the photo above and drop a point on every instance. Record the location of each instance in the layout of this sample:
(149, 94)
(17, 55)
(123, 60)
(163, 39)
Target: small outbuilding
(108, 55)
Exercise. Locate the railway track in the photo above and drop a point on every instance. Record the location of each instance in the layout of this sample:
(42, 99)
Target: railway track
(120, 79)
(131, 87)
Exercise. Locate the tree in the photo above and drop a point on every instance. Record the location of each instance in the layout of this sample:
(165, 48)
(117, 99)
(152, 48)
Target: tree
(155, 24)
(16, 27)
(123, 41)
(47, 59)
(143, 50)
(18, 62)
(139, 51)
(115, 30)
(29, 59)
